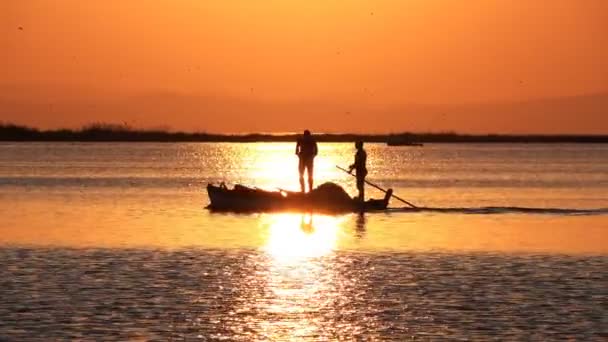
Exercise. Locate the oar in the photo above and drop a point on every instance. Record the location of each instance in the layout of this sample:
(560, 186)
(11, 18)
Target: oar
(379, 188)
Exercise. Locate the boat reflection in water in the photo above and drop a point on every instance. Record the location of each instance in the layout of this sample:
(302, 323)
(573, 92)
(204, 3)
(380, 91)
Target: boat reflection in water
(298, 289)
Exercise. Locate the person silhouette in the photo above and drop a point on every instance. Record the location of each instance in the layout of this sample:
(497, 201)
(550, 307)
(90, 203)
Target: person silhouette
(360, 169)
(306, 150)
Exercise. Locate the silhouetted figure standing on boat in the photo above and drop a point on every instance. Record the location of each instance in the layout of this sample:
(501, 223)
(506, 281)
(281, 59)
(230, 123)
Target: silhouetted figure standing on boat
(306, 150)
(360, 169)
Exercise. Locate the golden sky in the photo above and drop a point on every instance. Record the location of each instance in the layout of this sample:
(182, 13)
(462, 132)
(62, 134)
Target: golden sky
(499, 66)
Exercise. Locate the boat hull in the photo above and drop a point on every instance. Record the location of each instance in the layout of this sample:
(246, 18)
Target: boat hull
(245, 199)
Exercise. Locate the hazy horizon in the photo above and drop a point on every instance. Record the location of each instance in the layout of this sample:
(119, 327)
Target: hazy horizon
(591, 119)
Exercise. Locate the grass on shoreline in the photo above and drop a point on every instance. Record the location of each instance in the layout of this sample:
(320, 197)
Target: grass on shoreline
(122, 133)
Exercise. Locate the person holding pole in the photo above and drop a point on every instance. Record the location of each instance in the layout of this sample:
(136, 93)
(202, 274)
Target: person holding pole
(360, 169)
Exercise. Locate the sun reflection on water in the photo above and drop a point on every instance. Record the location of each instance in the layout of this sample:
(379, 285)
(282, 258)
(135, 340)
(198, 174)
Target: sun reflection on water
(294, 238)
(301, 284)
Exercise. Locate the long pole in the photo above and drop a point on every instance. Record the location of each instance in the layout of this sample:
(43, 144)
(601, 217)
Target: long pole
(378, 187)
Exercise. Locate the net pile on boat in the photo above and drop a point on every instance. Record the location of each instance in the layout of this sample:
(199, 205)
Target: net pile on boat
(331, 193)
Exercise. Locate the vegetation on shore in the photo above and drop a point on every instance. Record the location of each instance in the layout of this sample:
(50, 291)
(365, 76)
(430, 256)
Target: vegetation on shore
(116, 132)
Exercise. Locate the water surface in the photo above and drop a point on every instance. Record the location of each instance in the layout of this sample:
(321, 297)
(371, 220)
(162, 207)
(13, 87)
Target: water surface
(112, 241)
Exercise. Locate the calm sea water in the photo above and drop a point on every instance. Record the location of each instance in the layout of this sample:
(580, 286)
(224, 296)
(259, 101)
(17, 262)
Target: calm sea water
(112, 241)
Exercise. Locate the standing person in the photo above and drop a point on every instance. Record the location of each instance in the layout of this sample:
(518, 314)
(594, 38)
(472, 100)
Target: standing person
(361, 170)
(306, 150)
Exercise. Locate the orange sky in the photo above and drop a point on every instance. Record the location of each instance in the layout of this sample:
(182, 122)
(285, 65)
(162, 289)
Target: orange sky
(334, 65)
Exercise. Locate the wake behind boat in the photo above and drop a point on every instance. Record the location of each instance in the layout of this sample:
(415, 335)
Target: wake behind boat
(328, 197)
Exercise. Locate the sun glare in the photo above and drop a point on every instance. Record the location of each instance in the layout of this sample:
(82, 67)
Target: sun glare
(293, 238)
(299, 279)
(276, 165)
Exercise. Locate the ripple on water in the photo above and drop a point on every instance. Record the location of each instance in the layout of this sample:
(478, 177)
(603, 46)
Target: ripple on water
(252, 295)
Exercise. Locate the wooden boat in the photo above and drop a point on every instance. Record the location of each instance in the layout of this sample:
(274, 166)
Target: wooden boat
(328, 197)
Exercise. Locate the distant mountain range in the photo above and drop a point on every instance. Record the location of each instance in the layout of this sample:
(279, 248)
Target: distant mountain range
(62, 107)
(584, 113)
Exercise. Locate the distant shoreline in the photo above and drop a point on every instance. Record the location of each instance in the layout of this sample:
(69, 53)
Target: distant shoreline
(117, 133)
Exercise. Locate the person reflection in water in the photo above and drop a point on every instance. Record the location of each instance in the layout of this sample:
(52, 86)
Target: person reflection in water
(306, 150)
(360, 225)
(306, 223)
(360, 169)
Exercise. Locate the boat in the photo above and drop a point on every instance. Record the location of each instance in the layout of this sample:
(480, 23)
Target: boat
(328, 197)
